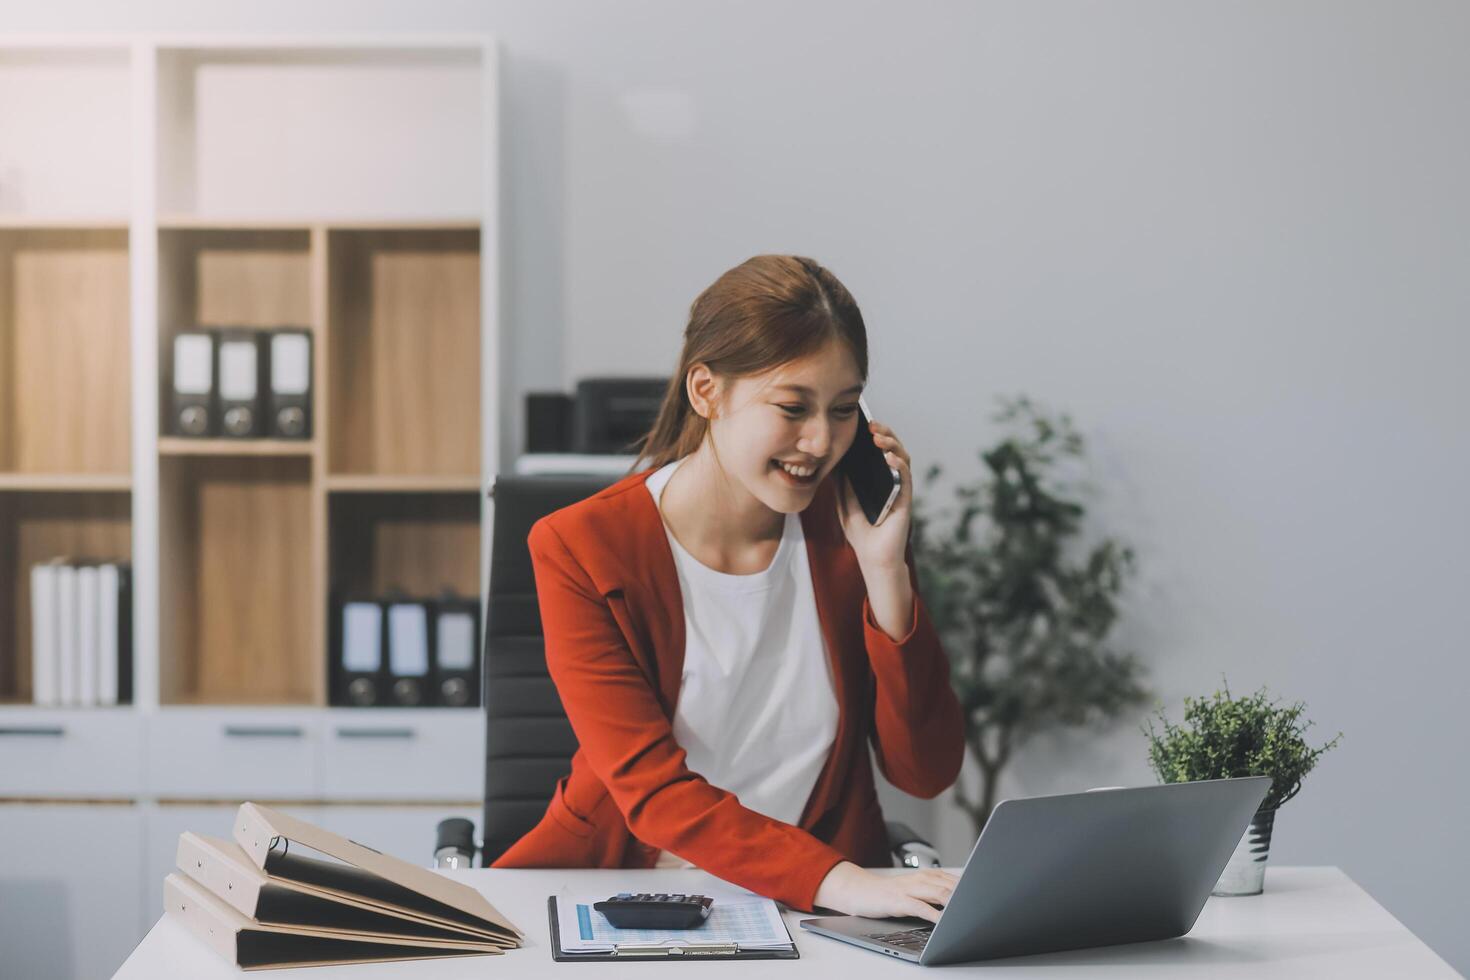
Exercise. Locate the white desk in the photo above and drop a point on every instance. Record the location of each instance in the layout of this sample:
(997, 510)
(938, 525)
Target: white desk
(1311, 922)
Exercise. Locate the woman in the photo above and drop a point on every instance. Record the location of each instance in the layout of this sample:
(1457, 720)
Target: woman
(728, 633)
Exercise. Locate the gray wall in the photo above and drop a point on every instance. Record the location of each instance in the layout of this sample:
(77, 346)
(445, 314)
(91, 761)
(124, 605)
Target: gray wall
(1231, 238)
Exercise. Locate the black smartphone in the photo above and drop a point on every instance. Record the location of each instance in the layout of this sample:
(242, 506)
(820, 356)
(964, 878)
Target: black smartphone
(868, 473)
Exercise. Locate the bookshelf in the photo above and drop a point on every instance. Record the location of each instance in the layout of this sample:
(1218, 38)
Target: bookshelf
(403, 352)
(395, 319)
(345, 185)
(271, 184)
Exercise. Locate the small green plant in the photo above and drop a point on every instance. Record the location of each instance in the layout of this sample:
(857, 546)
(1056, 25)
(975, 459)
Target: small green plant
(1224, 737)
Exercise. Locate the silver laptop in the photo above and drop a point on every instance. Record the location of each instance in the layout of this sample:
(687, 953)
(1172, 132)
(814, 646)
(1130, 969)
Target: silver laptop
(1083, 869)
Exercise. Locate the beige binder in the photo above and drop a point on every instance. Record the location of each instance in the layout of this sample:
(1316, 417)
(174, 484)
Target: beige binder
(273, 842)
(225, 870)
(258, 946)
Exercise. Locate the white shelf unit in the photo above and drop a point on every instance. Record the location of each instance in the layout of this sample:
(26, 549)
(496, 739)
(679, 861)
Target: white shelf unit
(148, 180)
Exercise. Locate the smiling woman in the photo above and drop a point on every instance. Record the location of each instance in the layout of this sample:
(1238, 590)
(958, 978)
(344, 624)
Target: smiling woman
(769, 311)
(728, 633)
(771, 440)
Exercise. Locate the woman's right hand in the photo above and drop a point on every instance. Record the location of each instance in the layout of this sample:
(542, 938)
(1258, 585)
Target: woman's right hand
(858, 891)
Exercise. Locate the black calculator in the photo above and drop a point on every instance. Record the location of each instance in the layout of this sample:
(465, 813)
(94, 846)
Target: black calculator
(626, 910)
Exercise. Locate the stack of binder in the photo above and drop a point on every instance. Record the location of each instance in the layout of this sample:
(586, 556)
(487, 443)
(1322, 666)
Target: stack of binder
(240, 383)
(261, 903)
(81, 633)
(404, 652)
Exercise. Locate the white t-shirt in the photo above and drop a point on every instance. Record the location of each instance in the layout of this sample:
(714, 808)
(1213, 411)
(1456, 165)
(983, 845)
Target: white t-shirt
(757, 710)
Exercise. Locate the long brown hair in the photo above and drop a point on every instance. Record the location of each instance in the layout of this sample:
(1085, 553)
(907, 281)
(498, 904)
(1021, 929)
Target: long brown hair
(765, 312)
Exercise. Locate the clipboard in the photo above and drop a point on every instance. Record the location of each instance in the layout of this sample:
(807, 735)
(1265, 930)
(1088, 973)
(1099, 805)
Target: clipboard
(666, 954)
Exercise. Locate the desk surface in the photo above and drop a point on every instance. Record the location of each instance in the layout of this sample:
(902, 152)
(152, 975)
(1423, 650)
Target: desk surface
(1311, 922)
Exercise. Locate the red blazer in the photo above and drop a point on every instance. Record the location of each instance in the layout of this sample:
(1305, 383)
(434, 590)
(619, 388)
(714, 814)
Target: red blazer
(613, 619)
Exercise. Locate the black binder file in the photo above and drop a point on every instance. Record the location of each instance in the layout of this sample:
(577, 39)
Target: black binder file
(241, 376)
(456, 654)
(357, 654)
(193, 411)
(408, 654)
(124, 633)
(290, 384)
(117, 629)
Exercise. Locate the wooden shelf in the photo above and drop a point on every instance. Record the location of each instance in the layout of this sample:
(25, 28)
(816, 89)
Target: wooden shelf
(67, 482)
(249, 699)
(467, 223)
(417, 543)
(258, 223)
(233, 277)
(189, 222)
(61, 222)
(64, 333)
(184, 446)
(236, 581)
(403, 352)
(368, 483)
(213, 277)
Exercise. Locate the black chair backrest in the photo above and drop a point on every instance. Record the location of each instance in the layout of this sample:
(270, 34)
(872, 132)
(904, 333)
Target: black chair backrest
(528, 741)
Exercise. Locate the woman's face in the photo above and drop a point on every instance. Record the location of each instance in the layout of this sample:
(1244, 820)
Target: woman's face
(803, 414)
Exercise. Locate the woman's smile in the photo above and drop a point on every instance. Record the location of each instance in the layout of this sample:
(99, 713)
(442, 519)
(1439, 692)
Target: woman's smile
(797, 476)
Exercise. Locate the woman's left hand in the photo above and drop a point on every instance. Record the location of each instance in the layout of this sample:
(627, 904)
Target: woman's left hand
(879, 548)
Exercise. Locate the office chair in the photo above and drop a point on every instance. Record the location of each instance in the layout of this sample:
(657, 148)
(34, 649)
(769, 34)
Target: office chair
(528, 741)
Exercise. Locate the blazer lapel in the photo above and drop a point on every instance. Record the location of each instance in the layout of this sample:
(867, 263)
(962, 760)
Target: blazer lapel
(653, 590)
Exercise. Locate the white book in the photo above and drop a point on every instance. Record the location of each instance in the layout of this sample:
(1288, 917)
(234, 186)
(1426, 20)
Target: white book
(87, 647)
(67, 653)
(43, 635)
(107, 596)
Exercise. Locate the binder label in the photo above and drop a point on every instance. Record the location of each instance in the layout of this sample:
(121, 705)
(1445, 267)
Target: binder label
(290, 364)
(361, 636)
(456, 641)
(237, 370)
(193, 367)
(408, 640)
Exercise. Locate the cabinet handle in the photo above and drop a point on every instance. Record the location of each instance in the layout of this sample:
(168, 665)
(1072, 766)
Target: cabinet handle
(264, 731)
(376, 733)
(45, 731)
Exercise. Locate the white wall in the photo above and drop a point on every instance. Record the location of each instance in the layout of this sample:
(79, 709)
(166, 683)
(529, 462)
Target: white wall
(1231, 238)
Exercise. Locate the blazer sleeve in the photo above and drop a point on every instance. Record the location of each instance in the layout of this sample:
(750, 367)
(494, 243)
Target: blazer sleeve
(918, 729)
(629, 744)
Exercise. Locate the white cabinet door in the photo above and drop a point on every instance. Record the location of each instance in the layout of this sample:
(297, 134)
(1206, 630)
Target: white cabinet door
(70, 881)
(95, 753)
(405, 832)
(230, 753)
(391, 755)
(164, 825)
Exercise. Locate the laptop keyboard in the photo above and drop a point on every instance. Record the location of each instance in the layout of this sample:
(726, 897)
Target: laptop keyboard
(911, 940)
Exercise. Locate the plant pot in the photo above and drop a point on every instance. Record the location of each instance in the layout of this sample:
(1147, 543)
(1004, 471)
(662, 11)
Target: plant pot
(1245, 874)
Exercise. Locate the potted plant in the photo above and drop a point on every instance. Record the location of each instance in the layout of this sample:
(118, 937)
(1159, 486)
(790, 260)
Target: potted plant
(1223, 738)
(1024, 610)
